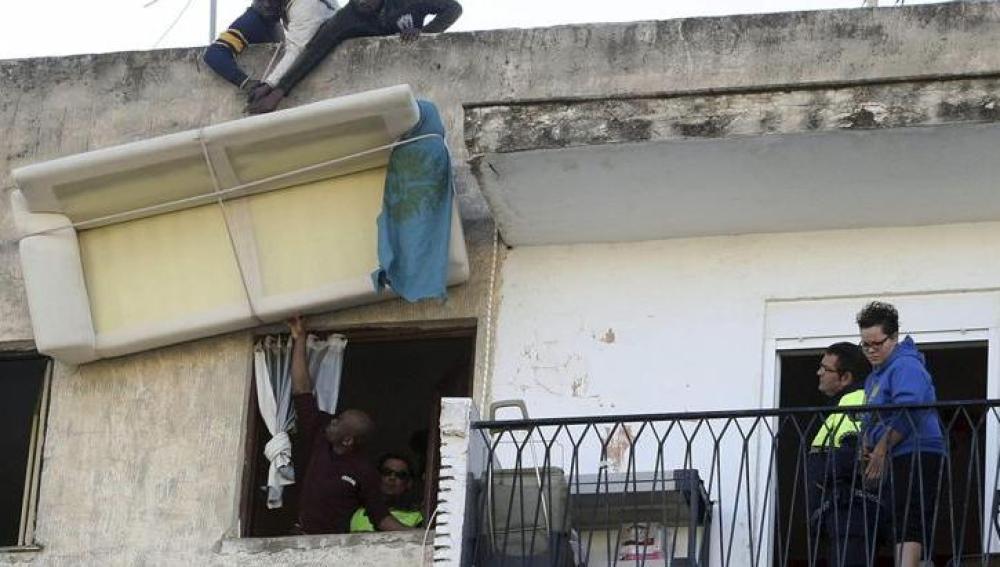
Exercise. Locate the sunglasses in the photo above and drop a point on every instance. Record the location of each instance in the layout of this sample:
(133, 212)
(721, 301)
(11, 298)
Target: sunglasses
(401, 475)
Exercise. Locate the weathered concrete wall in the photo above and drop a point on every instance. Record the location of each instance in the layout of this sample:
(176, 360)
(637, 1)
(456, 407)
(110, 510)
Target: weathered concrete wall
(496, 127)
(143, 454)
(137, 445)
(363, 550)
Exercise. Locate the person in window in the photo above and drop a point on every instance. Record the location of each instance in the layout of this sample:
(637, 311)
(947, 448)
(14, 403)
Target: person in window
(359, 18)
(397, 488)
(904, 448)
(338, 478)
(262, 23)
(842, 515)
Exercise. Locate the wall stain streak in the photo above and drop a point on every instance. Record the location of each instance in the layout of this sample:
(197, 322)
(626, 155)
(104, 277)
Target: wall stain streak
(618, 446)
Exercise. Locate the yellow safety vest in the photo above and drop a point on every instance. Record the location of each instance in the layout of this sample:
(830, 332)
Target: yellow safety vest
(838, 425)
(409, 518)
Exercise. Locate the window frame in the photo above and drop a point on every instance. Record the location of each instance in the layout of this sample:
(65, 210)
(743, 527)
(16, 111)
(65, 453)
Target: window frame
(36, 445)
(458, 328)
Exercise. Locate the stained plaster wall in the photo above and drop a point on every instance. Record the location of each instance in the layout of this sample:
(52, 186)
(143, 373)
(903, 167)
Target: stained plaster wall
(143, 454)
(596, 329)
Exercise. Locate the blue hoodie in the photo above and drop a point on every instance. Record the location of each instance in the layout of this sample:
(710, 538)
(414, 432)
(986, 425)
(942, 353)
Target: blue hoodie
(903, 379)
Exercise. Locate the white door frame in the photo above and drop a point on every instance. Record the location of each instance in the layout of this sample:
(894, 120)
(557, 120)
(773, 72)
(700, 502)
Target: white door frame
(928, 318)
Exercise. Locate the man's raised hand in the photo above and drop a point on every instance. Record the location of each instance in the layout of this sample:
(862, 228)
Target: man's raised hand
(297, 327)
(407, 30)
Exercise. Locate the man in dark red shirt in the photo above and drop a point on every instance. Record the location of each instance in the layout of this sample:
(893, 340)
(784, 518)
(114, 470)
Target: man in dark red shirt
(338, 479)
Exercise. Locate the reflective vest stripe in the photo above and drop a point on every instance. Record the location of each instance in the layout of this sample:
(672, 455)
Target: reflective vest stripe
(838, 425)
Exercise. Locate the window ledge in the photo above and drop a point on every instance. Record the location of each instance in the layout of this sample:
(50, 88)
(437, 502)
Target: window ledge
(233, 546)
(33, 548)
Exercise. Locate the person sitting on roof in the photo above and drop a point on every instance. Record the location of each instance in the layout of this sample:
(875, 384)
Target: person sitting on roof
(359, 18)
(261, 23)
(397, 489)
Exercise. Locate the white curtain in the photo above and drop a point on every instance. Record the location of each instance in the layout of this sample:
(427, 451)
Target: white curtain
(272, 373)
(326, 362)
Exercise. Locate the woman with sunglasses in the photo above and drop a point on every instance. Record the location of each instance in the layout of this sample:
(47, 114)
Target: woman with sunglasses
(397, 489)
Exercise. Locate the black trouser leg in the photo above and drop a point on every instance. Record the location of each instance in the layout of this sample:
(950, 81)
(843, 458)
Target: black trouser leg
(344, 25)
(846, 544)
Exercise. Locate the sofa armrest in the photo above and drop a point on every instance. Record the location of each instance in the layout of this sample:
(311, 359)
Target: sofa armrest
(57, 296)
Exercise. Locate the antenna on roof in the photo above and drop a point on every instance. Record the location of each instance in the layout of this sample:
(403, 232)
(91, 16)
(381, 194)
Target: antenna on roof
(213, 5)
(213, 10)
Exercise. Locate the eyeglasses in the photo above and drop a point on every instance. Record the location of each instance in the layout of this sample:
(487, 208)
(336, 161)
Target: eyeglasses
(401, 475)
(873, 345)
(828, 369)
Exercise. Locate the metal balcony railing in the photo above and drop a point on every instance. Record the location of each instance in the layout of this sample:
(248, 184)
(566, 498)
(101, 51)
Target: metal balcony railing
(748, 488)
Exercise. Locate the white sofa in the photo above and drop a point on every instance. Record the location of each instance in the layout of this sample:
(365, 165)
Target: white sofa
(204, 232)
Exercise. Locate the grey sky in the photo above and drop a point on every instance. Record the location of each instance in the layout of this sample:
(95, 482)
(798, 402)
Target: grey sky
(62, 27)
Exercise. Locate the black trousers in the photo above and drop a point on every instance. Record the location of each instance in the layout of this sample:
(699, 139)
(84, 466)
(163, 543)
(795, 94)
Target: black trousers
(850, 535)
(913, 493)
(347, 23)
(844, 517)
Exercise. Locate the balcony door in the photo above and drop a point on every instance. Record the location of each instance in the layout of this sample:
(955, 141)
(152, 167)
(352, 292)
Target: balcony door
(958, 333)
(960, 373)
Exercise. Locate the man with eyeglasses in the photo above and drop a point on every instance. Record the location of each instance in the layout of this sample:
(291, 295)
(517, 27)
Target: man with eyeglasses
(396, 487)
(840, 512)
(903, 448)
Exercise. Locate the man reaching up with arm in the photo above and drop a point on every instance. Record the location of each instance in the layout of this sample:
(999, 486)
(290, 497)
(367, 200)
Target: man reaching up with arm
(338, 479)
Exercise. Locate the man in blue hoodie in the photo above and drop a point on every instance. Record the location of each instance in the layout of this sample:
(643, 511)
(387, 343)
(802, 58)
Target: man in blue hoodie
(904, 448)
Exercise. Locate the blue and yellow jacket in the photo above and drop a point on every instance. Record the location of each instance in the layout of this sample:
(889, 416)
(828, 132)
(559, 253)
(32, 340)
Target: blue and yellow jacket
(268, 21)
(838, 426)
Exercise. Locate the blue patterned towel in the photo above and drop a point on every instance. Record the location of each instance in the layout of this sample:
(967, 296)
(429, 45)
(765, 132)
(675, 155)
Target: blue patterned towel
(414, 227)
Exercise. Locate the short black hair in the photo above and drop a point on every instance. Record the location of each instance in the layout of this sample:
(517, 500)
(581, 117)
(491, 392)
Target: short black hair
(399, 457)
(850, 359)
(882, 314)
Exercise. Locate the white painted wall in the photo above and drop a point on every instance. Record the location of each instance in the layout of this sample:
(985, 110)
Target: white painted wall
(678, 325)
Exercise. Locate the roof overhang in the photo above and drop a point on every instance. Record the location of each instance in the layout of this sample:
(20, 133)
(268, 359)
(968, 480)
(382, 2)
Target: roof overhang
(758, 184)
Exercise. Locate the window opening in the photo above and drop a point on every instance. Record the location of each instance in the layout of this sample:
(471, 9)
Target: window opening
(23, 405)
(397, 376)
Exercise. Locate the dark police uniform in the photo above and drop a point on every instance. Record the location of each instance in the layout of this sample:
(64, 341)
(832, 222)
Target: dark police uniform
(841, 512)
